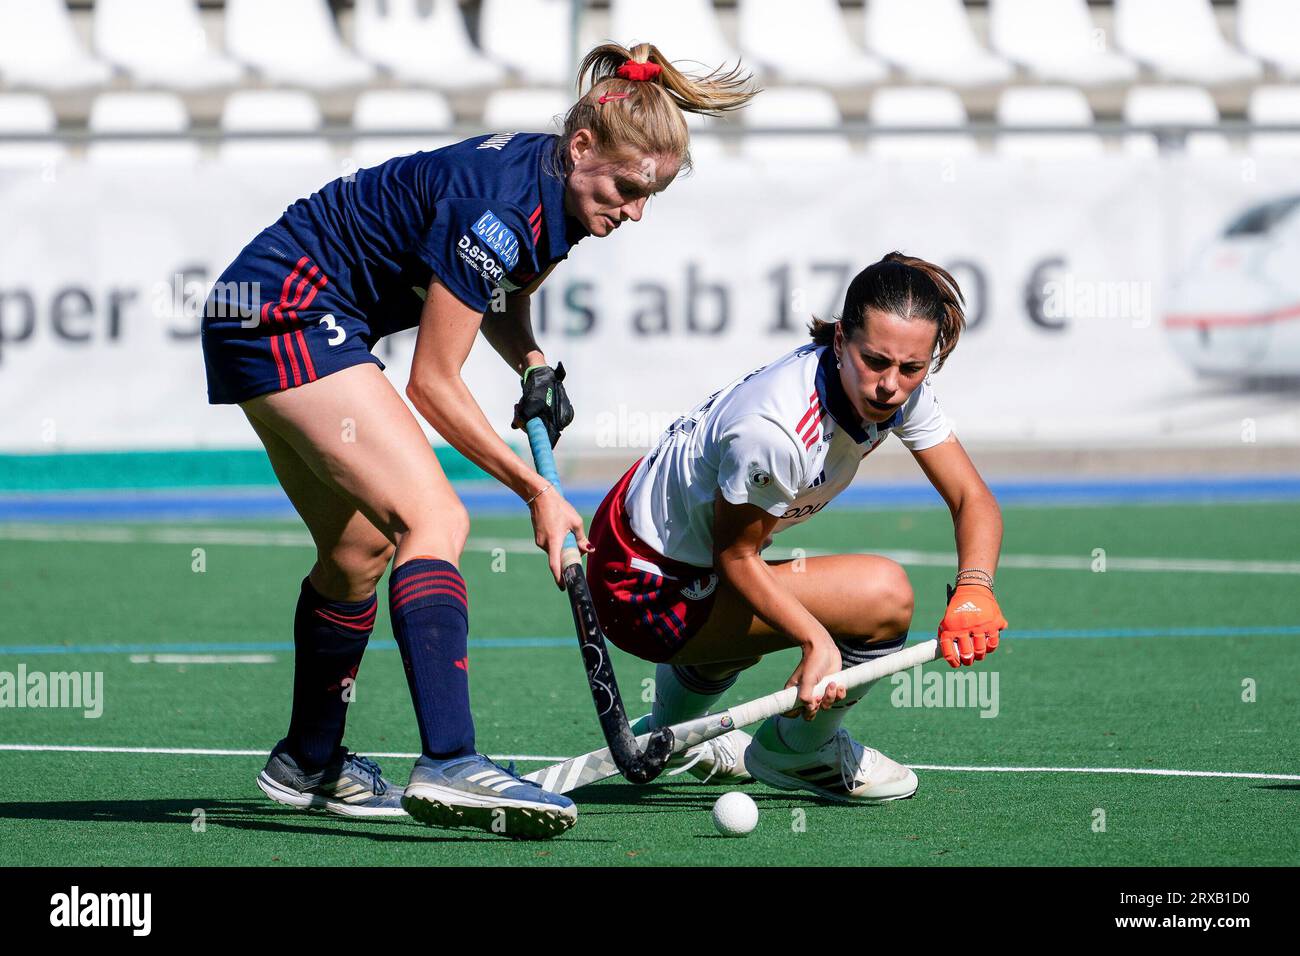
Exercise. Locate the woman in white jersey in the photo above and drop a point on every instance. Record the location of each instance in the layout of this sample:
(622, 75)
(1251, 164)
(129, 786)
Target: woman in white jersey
(676, 570)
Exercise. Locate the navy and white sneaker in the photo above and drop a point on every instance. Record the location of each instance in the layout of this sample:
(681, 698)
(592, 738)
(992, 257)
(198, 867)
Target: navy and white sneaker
(348, 785)
(475, 792)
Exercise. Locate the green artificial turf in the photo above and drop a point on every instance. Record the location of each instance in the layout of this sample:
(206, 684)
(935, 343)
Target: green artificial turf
(1155, 678)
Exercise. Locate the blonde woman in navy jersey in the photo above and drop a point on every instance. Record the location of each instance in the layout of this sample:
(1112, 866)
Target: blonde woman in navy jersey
(450, 242)
(677, 574)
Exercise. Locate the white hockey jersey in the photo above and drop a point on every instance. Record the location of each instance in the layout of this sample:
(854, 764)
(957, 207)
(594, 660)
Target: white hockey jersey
(785, 438)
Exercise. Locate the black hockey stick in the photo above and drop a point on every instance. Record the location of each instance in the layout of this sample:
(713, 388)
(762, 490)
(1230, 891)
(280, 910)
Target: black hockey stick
(635, 765)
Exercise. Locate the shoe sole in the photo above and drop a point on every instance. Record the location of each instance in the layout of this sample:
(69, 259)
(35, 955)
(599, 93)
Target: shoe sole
(315, 801)
(774, 778)
(436, 806)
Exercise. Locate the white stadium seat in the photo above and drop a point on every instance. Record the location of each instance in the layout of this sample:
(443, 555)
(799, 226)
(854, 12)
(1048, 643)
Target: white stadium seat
(800, 107)
(1046, 106)
(686, 30)
(1181, 40)
(161, 42)
(141, 113)
(271, 111)
(390, 110)
(920, 107)
(933, 41)
(805, 42)
(525, 111)
(1057, 41)
(1185, 105)
(1269, 29)
(532, 37)
(1275, 106)
(39, 47)
(28, 113)
(423, 44)
(293, 42)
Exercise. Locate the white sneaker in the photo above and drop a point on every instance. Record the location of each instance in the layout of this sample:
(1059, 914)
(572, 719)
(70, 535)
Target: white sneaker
(721, 760)
(841, 769)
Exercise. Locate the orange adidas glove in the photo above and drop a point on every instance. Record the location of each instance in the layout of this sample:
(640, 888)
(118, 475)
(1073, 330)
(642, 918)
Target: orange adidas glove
(970, 626)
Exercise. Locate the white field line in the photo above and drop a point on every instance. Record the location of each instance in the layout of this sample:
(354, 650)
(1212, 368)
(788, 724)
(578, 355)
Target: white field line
(535, 758)
(300, 539)
(202, 658)
(216, 752)
(1141, 771)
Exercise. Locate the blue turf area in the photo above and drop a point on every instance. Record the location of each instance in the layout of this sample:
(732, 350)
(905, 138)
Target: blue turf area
(485, 498)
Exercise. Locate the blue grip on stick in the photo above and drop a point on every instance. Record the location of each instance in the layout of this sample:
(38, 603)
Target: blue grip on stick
(544, 461)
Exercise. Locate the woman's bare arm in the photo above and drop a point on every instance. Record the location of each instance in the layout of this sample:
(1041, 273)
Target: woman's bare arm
(739, 535)
(976, 517)
(447, 331)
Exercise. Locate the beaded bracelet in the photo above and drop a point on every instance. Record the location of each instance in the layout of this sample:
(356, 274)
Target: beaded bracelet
(976, 572)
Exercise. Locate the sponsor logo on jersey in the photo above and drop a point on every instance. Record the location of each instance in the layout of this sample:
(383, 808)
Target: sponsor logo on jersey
(806, 511)
(498, 238)
(497, 142)
(479, 259)
(700, 588)
(759, 478)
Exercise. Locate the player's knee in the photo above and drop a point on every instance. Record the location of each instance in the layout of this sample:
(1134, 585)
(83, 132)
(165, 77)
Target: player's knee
(458, 527)
(887, 605)
(897, 604)
(358, 566)
(440, 531)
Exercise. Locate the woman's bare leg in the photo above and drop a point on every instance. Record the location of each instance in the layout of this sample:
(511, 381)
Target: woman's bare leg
(351, 553)
(858, 598)
(864, 601)
(363, 447)
(359, 439)
(334, 617)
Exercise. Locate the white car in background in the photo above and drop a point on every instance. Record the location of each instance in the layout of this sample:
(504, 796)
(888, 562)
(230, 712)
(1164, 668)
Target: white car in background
(1236, 311)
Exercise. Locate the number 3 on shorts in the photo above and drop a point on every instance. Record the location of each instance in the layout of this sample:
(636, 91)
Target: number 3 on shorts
(339, 333)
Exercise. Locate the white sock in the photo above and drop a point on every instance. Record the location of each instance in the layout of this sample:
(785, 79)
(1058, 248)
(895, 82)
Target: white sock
(804, 736)
(681, 693)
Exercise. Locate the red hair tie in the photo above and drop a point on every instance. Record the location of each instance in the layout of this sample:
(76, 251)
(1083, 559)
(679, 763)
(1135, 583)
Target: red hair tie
(639, 72)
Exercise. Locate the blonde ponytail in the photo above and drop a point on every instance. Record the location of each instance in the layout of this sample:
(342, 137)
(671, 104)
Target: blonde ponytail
(645, 116)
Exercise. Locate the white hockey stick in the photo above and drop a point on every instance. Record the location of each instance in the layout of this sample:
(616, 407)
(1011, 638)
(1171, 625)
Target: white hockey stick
(599, 765)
